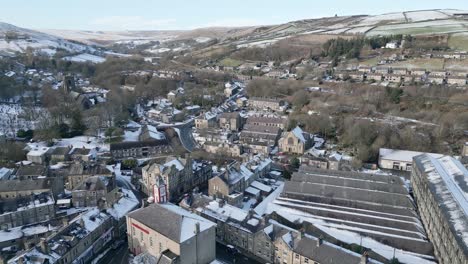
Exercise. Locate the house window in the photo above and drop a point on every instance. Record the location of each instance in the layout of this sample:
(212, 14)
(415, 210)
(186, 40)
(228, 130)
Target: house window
(296, 256)
(396, 165)
(306, 260)
(141, 236)
(151, 241)
(160, 248)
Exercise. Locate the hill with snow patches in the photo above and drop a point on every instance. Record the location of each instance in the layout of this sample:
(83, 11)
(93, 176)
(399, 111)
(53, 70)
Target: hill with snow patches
(15, 39)
(84, 43)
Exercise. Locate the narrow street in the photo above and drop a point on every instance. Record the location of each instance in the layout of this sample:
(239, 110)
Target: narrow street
(225, 256)
(116, 256)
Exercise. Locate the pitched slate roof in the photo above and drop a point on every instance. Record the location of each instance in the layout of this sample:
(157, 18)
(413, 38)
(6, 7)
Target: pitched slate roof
(171, 221)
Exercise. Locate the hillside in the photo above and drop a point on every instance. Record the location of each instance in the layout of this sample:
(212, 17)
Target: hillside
(443, 21)
(15, 39)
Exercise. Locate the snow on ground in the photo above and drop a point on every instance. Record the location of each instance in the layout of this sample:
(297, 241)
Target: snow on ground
(123, 179)
(248, 205)
(85, 57)
(14, 117)
(425, 15)
(130, 136)
(36, 40)
(83, 142)
(359, 30)
(100, 256)
(426, 27)
(390, 17)
(160, 50)
(202, 39)
(262, 43)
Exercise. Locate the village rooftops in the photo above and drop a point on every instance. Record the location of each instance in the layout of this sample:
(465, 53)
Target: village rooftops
(269, 130)
(448, 182)
(60, 151)
(171, 221)
(25, 185)
(25, 203)
(266, 119)
(326, 253)
(137, 144)
(88, 169)
(31, 170)
(95, 183)
(265, 99)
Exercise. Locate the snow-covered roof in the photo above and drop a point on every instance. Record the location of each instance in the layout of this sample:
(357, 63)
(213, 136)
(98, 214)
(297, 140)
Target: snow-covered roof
(5, 173)
(36, 152)
(155, 134)
(297, 131)
(253, 191)
(172, 221)
(226, 211)
(261, 186)
(175, 162)
(402, 155)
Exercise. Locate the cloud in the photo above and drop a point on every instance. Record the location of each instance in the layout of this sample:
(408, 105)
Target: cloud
(132, 23)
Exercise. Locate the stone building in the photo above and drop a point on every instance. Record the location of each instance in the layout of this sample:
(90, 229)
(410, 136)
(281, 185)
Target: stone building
(229, 149)
(95, 191)
(295, 141)
(464, 152)
(140, 149)
(237, 228)
(230, 184)
(79, 242)
(26, 210)
(395, 159)
(267, 121)
(172, 234)
(60, 154)
(206, 120)
(230, 121)
(265, 103)
(440, 191)
(80, 171)
(259, 139)
(178, 176)
(298, 248)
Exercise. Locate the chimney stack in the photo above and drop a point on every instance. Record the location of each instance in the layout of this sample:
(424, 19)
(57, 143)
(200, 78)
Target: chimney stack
(320, 241)
(44, 246)
(365, 258)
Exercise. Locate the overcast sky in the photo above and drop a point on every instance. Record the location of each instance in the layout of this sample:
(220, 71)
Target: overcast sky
(189, 14)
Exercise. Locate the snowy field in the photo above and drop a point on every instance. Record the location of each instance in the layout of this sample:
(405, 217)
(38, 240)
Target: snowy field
(425, 15)
(85, 57)
(390, 17)
(420, 28)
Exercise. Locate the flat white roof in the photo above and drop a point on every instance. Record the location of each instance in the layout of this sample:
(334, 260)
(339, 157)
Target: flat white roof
(402, 155)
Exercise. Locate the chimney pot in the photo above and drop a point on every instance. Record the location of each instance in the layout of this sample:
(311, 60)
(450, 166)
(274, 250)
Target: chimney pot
(365, 258)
